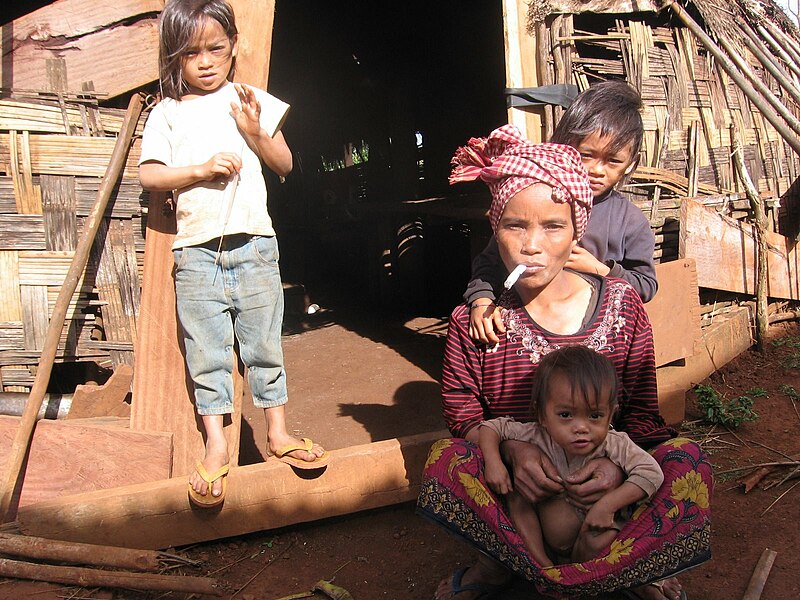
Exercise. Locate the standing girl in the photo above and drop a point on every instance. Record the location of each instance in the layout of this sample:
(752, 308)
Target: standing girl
(206, 140)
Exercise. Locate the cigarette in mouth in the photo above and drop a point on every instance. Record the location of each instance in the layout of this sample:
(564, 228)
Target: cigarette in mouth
(513, 276)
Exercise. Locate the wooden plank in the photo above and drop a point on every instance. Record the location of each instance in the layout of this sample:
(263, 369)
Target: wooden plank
(10, 303)
(104, 400)
(724, 250)
(117, 58)
(521, 67)
(160, 370)
(254, 20)
(674, 311)
(58, 206)
(70, 457)
(262, 496)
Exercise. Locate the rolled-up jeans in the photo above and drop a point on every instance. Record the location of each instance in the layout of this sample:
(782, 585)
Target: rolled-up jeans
(236, 293)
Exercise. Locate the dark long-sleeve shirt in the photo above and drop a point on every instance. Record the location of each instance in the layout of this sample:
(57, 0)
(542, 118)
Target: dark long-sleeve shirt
(618, 234)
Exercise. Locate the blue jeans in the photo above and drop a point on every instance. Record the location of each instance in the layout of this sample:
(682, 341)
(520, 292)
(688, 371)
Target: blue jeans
(241, 295)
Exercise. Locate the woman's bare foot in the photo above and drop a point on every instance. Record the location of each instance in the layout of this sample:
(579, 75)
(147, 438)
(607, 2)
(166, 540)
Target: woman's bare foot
(666, 589)
(483, 574)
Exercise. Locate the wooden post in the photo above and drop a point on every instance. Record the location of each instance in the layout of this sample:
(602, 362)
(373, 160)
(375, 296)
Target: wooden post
(755, 587)
(521, 69)
(760, 231)
(25, 431)
(83, 577)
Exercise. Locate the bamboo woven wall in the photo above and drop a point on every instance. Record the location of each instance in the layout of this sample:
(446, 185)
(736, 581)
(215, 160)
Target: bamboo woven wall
(54, 149)
(691, 106)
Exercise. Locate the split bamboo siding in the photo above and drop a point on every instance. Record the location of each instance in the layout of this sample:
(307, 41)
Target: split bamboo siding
(54, 149)
(693, 108)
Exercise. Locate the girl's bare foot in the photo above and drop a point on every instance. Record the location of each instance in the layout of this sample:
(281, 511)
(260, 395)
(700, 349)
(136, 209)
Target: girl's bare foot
(216, 456)
(276, 443)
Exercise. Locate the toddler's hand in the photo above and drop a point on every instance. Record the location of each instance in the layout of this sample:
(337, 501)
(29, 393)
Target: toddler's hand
(497, 477)
(247, 115)
(598, 519)
(221, 165)
(484, 320)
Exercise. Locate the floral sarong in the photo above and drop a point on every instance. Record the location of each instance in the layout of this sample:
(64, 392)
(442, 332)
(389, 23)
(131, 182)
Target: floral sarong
(666, 535)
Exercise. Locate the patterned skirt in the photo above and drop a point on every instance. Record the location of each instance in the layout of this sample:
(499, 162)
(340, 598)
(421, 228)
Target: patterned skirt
(666, 535)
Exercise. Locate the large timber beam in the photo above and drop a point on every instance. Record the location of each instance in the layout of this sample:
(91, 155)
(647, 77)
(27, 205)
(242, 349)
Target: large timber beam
(262, 496)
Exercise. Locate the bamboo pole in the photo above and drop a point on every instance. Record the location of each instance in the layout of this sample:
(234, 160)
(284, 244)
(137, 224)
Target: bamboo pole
(789, 43)
(76, 553)
(766, 93)
(760, 231)
(791, 61)
(758, 49)
(113, 579)
(780, 126)
(23, 436)
(758, 579)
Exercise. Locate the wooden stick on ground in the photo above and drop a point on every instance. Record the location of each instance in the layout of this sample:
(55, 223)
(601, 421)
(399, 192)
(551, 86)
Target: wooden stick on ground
(76, 553)
(114, 579)
(759, 577)
(25, 432)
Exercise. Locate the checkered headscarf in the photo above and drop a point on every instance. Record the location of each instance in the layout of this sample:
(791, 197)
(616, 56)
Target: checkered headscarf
(508, 163)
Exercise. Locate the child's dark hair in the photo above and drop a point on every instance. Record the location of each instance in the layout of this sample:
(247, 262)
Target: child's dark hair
(180, 21)
(591, 375)
(612, 108)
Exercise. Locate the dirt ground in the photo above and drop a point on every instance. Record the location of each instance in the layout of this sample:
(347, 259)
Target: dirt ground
(384, 385)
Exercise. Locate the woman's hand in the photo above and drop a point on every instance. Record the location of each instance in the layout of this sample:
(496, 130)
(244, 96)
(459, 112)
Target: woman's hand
(535, 477)
(484, 320)
(591, 482)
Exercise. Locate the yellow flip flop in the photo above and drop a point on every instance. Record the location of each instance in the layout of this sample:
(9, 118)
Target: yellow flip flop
(305, 444)
(209, 500)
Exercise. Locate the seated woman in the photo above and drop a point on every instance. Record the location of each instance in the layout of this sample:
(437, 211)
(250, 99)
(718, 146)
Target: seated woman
(540, 205)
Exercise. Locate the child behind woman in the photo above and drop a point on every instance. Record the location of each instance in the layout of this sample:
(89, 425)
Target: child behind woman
(574, 398)
(206, 140)
(604, 123)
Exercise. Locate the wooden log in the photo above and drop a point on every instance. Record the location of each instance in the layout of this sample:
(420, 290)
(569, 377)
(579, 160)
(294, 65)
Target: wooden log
(755, 587)
(83, 577)
(22, 440)
(521, 66)
(725, 251)
(84, 455)
(79, 554)
(261, 496)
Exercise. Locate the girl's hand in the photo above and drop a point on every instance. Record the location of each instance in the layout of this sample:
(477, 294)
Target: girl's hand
(248, 115)
(221, 165)
(497, 477)
(484, 320)
(584, 261)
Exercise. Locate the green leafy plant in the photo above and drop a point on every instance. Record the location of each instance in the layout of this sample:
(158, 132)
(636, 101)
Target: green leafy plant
(792, 361)
(791, 342)
(727, 412)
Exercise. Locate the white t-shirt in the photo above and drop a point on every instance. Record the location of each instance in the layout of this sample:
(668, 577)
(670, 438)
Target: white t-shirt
(189, 132)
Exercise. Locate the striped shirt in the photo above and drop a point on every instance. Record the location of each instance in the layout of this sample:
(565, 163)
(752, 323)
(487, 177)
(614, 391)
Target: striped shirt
(478, 385)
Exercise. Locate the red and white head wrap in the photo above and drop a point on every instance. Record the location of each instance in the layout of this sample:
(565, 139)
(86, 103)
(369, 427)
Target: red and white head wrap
(508, 163)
